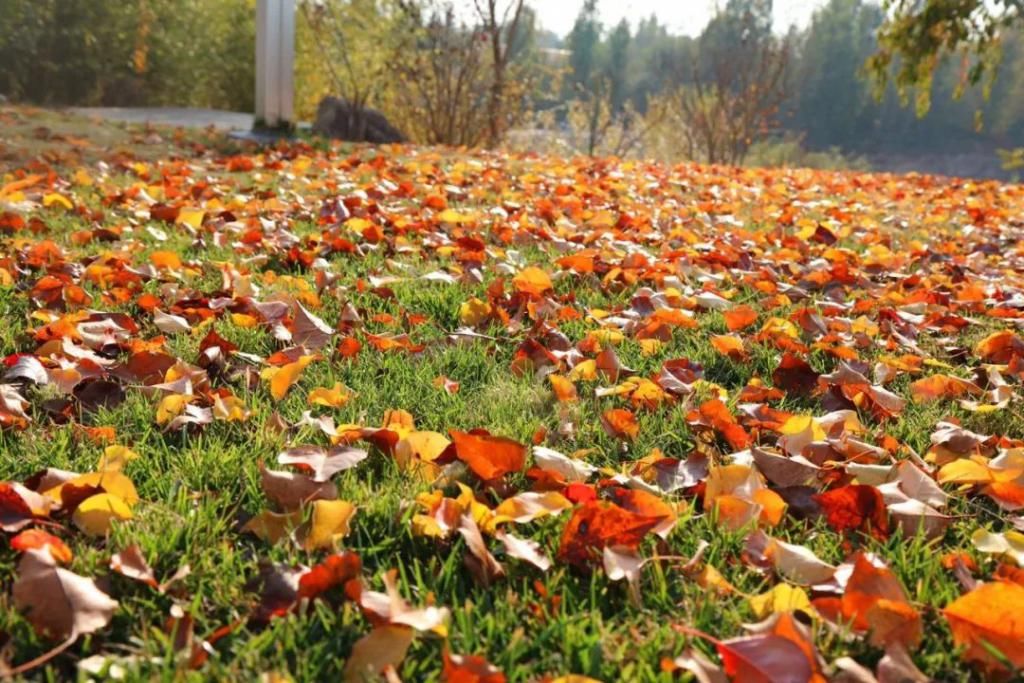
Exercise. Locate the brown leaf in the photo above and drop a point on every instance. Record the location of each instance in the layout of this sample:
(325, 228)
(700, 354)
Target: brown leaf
(58, 602)
(794, 375)
(310, 331)
(130, 562)
(384, 646)
(290, 491)
(481, 562)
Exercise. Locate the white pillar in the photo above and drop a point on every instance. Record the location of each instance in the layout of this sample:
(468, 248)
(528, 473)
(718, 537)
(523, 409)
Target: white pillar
(275, 61)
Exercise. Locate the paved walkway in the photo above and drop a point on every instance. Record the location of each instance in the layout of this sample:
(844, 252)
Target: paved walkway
(172, 116)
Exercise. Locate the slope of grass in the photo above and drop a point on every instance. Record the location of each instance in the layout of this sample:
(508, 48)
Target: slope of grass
(198, 487)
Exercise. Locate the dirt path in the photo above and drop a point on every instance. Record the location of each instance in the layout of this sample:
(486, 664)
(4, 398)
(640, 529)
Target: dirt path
(172, 116)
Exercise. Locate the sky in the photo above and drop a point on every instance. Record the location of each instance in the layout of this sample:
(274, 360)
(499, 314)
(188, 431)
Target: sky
(682, 16)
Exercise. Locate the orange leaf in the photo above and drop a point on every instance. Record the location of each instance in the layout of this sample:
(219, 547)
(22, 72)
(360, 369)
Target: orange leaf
(730, 345)
(989, 617)
(37, 538)
(532, 280)
(565, 390)
(165, 259)
(490, 457)
(1000, 347)
(598, 524)
(739, 317)
(620, 423)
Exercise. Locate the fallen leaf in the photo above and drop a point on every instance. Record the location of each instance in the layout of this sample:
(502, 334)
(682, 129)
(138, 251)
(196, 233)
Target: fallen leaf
(987, 618)
(59, 603)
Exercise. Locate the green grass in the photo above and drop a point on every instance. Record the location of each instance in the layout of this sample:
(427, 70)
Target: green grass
(198, 488)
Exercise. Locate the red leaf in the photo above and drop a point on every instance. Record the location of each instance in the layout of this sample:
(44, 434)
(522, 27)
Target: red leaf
(855, 507)
(597, 524)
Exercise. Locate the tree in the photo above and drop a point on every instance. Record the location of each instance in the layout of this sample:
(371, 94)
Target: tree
(501, 23)
(833, 106)
(738, 82)
(584, 41)
(440, 80)
(917, 34)
(617, 67)
(128, 52)
(354, 39)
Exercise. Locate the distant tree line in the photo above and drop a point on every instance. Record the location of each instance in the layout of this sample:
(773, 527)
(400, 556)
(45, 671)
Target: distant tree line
(825, 95)
(485, 71)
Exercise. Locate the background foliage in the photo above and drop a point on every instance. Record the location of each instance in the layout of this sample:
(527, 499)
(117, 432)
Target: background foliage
(128, 52)
(599, 89)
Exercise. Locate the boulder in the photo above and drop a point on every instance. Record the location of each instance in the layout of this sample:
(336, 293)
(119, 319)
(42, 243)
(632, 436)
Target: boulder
(338, 118)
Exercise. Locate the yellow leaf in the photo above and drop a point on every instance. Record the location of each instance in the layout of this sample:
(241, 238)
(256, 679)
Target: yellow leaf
(111, 482)
(244, 320)
(171, 406)
(115, 457)
(425, 525)
(800, 423)
(474, 312)
(82, 177)
(335, 397)
(781, 598)
(964, 471)
(329, 524)
(453, 216)
(191, 217)
(282, 379)
(532, 280)
(230, 408)
(1009, 544)
(649, 347)
(57, 199)
(273, 526)
(357, 224)
(584, 370)
(780, 326)
(426, 446)
(529, 505)
(94, 514)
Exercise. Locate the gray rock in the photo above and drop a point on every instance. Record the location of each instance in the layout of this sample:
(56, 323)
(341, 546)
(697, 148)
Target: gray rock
(339, 118)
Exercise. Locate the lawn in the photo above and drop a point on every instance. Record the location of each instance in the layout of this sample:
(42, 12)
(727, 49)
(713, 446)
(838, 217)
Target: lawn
(318, 412)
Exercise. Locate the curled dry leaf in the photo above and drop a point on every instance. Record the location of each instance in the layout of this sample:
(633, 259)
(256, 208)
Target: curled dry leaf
(322, 463)
(289, 490)
(130, 562)
(59, 603)
(383, 647)
(524, 549)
